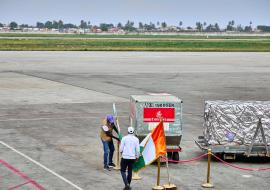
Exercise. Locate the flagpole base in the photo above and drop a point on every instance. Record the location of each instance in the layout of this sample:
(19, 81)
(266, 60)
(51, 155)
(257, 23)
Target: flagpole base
(170, 186)
(158, 187)
(207, 185)
(136, 176)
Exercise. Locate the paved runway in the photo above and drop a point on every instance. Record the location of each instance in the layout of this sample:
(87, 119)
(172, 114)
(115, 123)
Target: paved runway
(52, 103)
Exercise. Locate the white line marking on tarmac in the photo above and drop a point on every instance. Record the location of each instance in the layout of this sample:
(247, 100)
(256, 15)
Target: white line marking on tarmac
(42, 166)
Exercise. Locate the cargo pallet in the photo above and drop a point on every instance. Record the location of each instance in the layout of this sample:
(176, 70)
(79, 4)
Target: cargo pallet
(229, 151)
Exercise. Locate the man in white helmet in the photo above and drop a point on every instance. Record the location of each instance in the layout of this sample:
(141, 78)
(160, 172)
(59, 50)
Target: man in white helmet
(130, 150)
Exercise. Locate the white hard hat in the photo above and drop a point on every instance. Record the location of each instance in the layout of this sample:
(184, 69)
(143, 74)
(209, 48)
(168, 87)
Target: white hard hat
(130, 130)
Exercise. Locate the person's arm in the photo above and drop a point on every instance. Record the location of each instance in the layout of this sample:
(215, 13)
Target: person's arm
(108, 132)
(116, 138)
(115, 128)
(111, 135)
(122, 145)
(137, 149)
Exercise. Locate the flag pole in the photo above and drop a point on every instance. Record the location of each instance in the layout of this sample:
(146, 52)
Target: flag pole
(117, 166)
(167, 165)
(169, 185)
(158, 187)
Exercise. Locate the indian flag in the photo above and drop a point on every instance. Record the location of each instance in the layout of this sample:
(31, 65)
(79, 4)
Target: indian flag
(152, 147)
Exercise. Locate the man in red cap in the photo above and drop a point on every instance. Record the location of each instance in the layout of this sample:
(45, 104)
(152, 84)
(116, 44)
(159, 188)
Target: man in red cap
(106, 138)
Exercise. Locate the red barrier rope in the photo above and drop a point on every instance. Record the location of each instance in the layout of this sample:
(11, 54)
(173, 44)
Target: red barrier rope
(238, 167)
(219, 159)
(184, 161)
(17, 186)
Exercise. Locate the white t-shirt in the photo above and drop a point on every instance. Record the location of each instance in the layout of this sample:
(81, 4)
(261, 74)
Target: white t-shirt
(130, 147)
(105, 128)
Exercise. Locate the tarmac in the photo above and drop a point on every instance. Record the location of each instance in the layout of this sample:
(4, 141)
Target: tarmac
(52, 104)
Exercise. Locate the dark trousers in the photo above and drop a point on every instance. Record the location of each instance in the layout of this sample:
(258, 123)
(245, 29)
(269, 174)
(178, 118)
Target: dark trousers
(108, 148)
(127, 164)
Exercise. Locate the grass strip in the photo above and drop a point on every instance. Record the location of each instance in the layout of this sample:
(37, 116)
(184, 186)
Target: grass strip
(133, 45)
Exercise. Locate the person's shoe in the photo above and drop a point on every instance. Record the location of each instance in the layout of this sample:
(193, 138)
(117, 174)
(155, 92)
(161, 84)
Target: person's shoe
(127, 187)
(111, 165)
(106, 168)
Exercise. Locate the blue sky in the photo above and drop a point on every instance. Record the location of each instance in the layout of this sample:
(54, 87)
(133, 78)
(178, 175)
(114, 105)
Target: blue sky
(114, 11)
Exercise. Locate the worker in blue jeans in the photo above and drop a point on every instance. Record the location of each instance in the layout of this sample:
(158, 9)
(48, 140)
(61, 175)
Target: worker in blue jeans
(130, 150)
(108, 148)
(106, 138)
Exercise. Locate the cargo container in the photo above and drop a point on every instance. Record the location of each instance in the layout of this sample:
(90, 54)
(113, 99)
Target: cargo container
(233, 127)
(146, 112)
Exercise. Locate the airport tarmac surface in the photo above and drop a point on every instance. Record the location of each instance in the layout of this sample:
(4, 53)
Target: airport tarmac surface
(52, 104)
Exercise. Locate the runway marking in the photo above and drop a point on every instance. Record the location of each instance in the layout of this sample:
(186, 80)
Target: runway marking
(22, 175)
(40, 165)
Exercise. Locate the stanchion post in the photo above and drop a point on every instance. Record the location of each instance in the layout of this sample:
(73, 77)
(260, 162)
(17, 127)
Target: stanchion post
(208, 184)
(117, 165)
(158, 187)
(169, 186)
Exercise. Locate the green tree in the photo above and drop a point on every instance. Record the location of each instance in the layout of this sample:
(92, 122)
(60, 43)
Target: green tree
(210, 28)
(149, 27)
(1, 25)
(105, 27)
(152, 26)
(180, 24)
(55, 24)
(163, 24)
(60, 24)
(13, 25)
(217, 27)
(129, 26)
(24, 26)
(119, 25)
(83, 24)
(204, 24)
(69, 25)
(230, 26)
(49, 25)
(250, 25)
(239, 28)
(199, 26)
(140, 25)
(248, 29)
(158, 23)
(263, 28)
(40, 25)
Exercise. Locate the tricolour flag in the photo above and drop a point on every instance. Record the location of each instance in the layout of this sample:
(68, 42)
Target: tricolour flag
(152, 147)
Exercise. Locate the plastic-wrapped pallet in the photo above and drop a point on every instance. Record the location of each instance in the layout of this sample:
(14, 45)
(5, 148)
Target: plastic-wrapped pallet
(235, 122)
